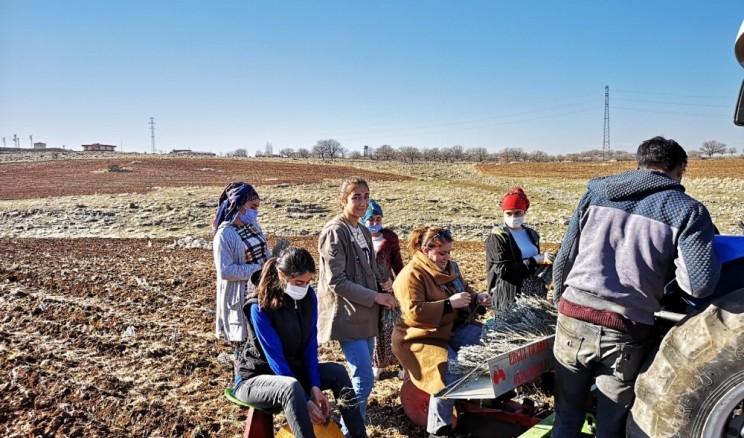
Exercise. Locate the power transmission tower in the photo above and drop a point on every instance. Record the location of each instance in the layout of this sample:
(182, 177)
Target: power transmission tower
(31, 138)
(152, 133)
(15, 141)
(606, 141)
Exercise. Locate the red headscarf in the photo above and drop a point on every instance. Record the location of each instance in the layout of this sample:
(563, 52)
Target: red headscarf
(515, 199)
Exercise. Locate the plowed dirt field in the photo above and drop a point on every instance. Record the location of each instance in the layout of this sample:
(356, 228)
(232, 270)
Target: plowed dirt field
(114, 337)
(715, 168)
(32, 179)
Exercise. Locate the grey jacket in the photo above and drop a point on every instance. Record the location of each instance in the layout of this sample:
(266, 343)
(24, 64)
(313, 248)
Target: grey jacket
(631, 234)
(347, 285)
(233, 282)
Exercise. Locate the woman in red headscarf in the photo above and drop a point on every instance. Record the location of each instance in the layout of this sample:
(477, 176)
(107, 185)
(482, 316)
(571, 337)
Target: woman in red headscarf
(513, 252)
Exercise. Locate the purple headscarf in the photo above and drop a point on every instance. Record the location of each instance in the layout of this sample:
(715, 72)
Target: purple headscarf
(232, 198)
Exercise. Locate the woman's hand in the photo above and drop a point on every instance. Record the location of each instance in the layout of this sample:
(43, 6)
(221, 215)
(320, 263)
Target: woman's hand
(387, 286)
(458, 301)
(386, 300)
(316, 415)
(484, 299)
(321, 402)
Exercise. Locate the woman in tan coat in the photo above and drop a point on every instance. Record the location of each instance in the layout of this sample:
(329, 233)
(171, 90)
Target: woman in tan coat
(437, 307)
(348, 301)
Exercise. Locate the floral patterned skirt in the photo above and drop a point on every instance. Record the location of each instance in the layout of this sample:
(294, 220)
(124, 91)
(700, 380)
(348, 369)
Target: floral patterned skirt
(383, 355)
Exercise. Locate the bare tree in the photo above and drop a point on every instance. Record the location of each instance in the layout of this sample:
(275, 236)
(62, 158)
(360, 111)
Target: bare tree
(712, 147)
(385, 153)
(409, 154)
(458, 153)
(538, 157)
(303, 153)
(509, 155)
(433, 154)
(330, 148)
(319, 152)
(240, 153)
(287, 152)
(355, 155)
(624, 156)
(591, 155)
(269, 150)
(479, 154)
(445, 154)
(732, 151)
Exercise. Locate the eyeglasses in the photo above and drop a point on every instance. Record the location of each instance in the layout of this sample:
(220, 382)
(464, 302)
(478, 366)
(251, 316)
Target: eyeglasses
(441, 234)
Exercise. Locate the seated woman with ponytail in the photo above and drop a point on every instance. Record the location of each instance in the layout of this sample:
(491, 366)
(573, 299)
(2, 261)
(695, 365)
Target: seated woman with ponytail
(278, 366)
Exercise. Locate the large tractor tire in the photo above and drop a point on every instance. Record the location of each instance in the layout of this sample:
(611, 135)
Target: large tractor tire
(694, 385)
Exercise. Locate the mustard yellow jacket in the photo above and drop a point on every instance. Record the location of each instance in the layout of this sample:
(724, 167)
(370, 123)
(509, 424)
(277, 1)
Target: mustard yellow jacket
(420, 338)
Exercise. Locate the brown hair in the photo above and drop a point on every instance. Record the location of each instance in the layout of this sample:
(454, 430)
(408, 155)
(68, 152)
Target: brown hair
(347, 186)
(428, 237)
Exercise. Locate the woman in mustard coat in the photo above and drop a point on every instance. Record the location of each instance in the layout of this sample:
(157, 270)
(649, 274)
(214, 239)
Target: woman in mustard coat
(437, 306)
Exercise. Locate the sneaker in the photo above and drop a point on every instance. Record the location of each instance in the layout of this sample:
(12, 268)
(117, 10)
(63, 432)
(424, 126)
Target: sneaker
(443, 432)
(377, 372)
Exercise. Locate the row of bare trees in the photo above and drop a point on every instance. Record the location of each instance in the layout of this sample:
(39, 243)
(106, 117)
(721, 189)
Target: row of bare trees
(712, 147)
(331, 149)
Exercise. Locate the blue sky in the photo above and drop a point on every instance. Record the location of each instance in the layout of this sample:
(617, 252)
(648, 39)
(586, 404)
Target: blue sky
(222, 75)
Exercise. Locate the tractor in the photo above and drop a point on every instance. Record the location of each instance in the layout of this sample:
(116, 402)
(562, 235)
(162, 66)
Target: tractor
(691, 386)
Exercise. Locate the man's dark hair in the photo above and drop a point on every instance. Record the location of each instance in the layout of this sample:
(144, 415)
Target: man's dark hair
(661, 153)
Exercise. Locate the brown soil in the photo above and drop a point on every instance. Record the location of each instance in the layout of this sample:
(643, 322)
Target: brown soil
(70, 369)
(25, 180)
(715, 168)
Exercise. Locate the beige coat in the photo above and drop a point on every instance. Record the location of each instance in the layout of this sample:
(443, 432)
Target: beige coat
(420, 338)
(346, 285)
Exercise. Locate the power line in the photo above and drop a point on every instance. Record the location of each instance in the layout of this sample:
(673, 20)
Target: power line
(672, 103)
(709, 116)
(693, 96)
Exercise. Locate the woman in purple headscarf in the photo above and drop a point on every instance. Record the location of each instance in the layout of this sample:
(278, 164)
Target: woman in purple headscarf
(240, 251)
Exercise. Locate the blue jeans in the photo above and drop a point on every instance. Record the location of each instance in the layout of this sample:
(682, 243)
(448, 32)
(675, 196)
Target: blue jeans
(358, 353)
(440, 409)
(585, 352)
(271, 391)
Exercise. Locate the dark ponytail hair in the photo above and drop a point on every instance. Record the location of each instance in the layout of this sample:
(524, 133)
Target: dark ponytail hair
(292, 261)
(428, 237)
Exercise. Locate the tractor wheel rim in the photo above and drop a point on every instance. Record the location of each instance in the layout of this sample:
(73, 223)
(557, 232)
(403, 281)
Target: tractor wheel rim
(721, 422)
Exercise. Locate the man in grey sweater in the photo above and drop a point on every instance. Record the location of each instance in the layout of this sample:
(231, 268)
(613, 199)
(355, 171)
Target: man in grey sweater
(630, 235)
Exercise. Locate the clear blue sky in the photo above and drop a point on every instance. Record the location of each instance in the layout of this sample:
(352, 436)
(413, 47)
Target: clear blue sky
(222, 75)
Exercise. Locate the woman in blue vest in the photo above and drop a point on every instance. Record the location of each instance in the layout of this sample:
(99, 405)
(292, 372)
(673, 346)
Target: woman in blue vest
(278, 366)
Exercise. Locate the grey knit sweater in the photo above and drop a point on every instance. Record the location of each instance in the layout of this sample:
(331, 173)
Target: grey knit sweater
(630, 235)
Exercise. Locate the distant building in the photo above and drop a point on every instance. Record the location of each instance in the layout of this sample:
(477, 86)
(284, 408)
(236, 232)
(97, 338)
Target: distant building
(96, 147)
(190, 152)
(39, 145)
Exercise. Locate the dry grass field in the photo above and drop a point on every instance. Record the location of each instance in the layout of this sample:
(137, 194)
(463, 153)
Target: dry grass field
(107, 319)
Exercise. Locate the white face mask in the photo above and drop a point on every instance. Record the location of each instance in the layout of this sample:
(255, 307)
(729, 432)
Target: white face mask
(513, 222)
(296, 292)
